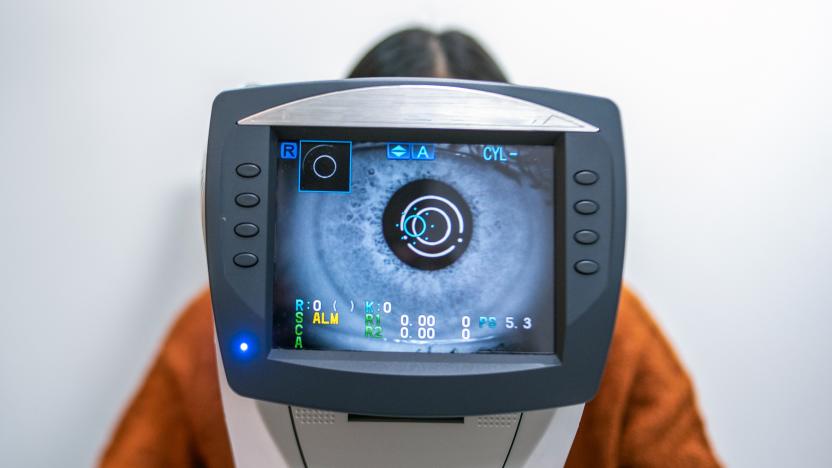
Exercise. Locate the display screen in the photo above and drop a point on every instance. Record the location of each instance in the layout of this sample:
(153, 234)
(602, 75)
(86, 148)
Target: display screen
(414, 247)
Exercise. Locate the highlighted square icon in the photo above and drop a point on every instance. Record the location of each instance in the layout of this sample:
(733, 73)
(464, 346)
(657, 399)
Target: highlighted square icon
(325, 166)
(398, 151)
(288, 150)
(423, 151)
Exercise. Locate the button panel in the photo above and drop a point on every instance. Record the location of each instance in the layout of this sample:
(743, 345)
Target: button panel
(246, 229)
(585, 186)
(586, 207)
(586, 177)
(247, 200)
(248, 170)
(586, 237)
(245, 259)
(586, 267)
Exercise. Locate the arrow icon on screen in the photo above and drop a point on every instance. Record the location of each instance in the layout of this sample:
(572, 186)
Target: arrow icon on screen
(399, 151)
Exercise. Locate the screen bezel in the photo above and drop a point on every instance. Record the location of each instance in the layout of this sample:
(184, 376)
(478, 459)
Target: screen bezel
(240, 297)
(341, 359)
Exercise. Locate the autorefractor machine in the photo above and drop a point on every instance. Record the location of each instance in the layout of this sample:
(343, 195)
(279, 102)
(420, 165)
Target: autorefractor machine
(411, 272)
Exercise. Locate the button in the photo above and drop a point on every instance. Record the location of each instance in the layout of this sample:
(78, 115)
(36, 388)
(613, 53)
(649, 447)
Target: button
(245, 259)
(246, 229)
(248, 170)
(586, 207)
(586, 177)
(247, 200)
(586, 267)
(585, 237)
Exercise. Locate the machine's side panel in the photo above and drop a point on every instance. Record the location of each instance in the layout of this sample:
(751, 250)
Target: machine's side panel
(260, 433)
(544, 437)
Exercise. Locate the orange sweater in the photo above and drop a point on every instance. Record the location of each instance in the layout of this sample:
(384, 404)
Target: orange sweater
(644, 414)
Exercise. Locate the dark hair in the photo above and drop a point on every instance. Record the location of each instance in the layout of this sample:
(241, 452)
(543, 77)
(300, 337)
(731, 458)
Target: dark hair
(421, 53)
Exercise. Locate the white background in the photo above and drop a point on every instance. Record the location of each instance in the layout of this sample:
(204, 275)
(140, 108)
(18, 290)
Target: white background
(104, 111)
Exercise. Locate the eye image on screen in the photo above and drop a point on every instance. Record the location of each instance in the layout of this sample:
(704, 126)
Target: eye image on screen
(415, 247)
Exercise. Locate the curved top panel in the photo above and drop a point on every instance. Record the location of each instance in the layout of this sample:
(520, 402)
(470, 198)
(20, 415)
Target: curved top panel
(418, 106)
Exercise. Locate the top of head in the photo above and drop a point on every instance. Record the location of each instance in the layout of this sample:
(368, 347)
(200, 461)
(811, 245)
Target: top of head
(414, 247)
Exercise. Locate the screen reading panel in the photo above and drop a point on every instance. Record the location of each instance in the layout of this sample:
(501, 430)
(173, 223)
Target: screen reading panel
(414, 247)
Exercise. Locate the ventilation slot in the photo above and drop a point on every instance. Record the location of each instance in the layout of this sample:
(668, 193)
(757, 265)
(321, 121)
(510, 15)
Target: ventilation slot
(312, 416)
(364, 418)
(497, 420)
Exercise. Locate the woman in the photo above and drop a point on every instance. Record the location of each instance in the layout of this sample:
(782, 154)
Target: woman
(644, 414)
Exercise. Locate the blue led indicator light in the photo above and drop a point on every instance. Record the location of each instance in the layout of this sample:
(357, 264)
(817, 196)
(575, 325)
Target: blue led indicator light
(244, 346)
(288, 150)
(424, 151)
(398, 151)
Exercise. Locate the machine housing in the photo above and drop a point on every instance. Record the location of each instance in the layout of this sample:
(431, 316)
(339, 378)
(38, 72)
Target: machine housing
(247, 126)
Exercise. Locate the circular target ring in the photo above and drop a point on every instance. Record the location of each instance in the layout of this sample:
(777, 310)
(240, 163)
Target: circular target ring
(427, 224)
(447, 220)
(324, 166)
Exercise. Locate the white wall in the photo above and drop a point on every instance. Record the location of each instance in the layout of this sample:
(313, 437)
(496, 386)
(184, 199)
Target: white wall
(104, 111)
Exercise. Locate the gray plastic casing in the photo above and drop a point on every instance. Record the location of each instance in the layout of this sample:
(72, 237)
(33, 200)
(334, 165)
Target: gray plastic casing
(414, 384)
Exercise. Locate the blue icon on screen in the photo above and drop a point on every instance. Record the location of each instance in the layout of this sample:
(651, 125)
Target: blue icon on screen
(424, 151)
(288, 150)
(398, 150)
